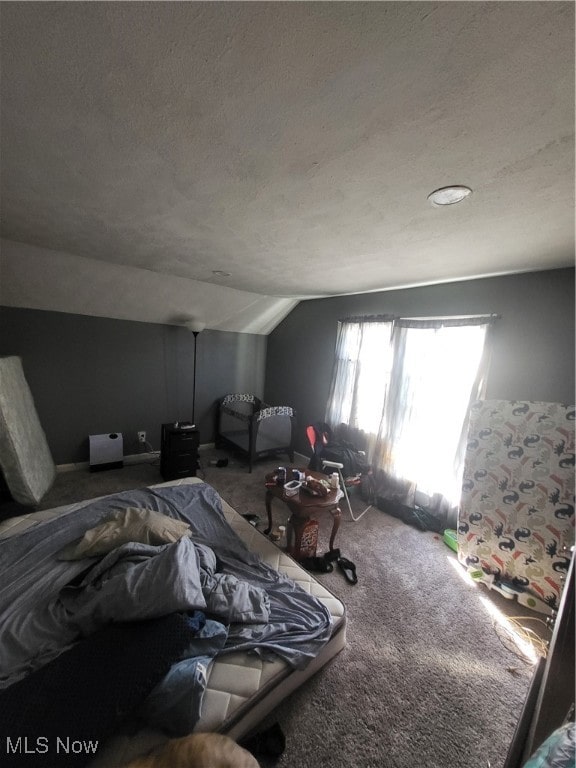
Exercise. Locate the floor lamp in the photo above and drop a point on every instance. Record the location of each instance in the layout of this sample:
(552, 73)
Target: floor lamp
(196, 327)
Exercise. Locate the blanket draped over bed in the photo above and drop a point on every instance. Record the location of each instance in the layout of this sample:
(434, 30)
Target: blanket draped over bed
(85, 693)
(47, 604)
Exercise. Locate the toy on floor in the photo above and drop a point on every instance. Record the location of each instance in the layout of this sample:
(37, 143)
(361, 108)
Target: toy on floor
(450, 538)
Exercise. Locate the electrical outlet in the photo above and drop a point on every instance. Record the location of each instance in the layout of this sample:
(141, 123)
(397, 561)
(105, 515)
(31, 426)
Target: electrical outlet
(141, 437)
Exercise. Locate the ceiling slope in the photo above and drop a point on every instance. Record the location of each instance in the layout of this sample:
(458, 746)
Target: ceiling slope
(36, 278)
(273, 152)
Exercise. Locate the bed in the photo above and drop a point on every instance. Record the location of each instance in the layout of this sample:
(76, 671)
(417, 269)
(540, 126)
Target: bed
(257, 429)
(256, 664)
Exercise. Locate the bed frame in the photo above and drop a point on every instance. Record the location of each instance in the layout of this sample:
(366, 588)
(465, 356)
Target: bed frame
(257, 429)
(242, 688)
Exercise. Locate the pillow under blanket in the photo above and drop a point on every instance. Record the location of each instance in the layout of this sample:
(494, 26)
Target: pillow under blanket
(136, 582)
(144, 526)
(60, 715)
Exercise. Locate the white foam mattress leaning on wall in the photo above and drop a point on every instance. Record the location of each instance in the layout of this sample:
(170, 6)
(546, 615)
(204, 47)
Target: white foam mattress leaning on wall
(25, 457)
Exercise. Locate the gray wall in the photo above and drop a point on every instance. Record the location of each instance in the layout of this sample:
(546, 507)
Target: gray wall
(92, 375)
(533, 342)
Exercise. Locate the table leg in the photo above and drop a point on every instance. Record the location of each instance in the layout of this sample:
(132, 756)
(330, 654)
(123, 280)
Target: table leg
(268, 502)
(289, 536)
(337, 515)
(297, 524)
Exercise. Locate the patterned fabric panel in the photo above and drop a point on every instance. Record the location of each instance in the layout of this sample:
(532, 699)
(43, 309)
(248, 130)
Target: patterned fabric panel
(240, 407)
(235, 398)
(236, 414)
(516, 517)
(277, 410)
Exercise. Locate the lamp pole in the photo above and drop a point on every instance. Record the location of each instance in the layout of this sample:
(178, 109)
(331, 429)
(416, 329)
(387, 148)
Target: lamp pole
(195, 327)
(194, 382)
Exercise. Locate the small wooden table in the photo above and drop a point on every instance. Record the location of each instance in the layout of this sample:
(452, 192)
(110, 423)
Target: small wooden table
(301, 506)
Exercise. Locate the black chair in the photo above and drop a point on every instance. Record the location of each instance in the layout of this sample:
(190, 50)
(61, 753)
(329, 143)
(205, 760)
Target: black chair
(329, 455)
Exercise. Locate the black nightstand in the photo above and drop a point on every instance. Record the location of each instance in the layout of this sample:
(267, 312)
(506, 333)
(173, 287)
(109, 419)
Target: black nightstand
(178, 451)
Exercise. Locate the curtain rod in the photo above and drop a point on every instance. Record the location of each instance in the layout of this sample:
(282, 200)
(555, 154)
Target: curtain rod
(436, 319)
(368, 319)
(491, 316)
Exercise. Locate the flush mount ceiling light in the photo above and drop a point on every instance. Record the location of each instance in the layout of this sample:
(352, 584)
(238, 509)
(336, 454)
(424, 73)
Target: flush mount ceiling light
(449, 195)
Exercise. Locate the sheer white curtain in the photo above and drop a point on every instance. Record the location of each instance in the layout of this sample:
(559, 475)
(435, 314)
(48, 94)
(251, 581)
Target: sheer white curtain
(361, 373)
(439, 369)
(408, 384)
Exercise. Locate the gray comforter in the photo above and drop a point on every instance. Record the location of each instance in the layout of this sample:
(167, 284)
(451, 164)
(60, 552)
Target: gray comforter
(140, 581)
(42, 613)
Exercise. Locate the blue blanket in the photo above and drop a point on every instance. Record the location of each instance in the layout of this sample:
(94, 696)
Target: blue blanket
(35, 623)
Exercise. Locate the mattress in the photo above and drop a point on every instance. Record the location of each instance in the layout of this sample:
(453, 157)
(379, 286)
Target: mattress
(516, 521)
(242, 688)
(25, 457)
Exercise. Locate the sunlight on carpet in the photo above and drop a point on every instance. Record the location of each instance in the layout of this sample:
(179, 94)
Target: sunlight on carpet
(521, 640)
(508, 628)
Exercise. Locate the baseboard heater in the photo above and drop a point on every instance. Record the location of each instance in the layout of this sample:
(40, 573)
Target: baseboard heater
(106, 451)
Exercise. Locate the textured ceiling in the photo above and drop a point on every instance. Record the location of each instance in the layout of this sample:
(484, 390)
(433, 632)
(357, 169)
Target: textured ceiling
(293, 144)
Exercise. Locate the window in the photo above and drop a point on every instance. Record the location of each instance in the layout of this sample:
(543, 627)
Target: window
(362, 371)
(408, 384)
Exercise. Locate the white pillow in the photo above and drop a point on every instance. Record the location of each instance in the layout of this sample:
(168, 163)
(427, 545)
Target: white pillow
(132, 524)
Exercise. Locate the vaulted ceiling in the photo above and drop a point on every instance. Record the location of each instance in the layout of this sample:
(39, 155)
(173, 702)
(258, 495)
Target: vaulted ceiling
(225, 160)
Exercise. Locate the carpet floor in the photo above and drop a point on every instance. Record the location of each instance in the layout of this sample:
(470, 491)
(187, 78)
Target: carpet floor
(425, 681)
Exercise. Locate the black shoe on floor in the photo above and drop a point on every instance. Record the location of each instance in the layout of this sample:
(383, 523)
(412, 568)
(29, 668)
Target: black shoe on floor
(268, 743)
(252, 519)
(348, 569)
(317, 565)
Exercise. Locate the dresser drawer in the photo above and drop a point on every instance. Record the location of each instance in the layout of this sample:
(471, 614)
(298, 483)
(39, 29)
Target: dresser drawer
(179, 452)
(182, 441)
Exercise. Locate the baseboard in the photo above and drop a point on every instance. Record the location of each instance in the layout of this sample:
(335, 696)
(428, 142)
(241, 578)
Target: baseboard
(134, 458)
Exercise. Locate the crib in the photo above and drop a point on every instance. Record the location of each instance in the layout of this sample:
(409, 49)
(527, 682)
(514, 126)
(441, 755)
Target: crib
(255, 428)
